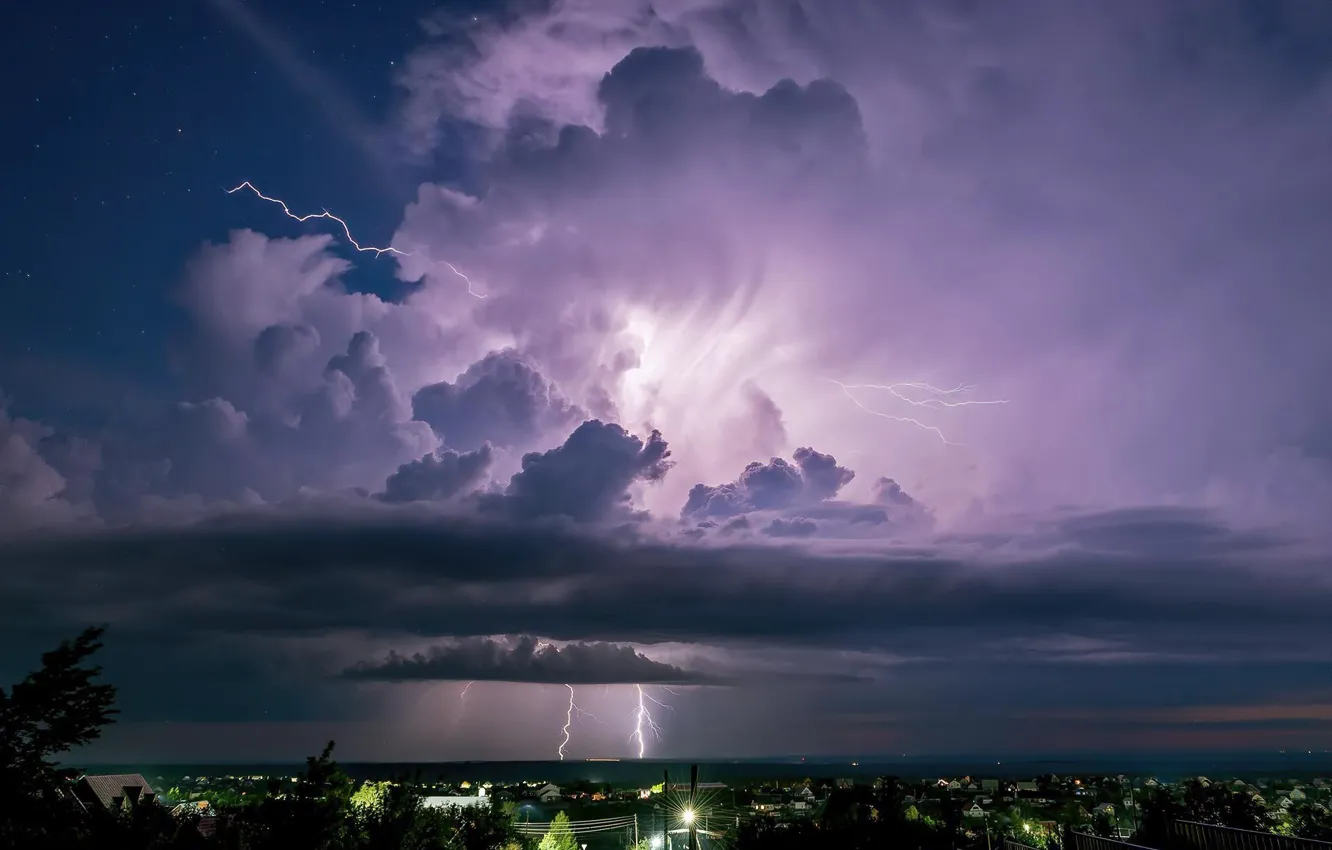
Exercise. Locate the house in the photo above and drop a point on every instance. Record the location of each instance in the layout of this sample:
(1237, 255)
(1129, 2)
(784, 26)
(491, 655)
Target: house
(194, 807)
(989, 784)
(804, 794)
(114, 792)
(975, 811)
(1028, 786)
(549, 793)
(1104, 809)
(1297, 795)
(766, 802)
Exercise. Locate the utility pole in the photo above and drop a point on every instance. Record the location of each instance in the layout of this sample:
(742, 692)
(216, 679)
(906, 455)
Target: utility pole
(635, 830)
(665, 812)
(693, 813)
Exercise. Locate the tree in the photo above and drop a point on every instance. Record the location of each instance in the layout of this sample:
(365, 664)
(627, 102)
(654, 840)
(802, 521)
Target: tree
(313, 813)
(1104, 824)
(1309, 821)
(52, 711)
(560, 836)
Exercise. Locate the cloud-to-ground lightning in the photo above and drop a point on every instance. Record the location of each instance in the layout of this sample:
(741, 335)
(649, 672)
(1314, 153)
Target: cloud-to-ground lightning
(568, 720)
(462, 701)
(346, 230)
(910, 392)
(643, 717)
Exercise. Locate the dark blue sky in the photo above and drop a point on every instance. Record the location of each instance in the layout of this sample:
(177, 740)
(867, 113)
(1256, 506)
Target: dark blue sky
(126, 125)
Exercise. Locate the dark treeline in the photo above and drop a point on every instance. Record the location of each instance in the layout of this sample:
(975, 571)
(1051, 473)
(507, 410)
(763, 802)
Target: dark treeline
(62, 706)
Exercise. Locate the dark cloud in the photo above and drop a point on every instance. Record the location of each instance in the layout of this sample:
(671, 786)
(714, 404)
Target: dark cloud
(823, 478)
(778, 484)
(949, 621)
(795, 527)
(526, 659)
(587, 478)
(439, 476)
(501, 399)
(382, 571)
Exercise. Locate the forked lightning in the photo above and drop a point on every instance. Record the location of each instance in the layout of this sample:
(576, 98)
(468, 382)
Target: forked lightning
(910, 392)
(643, 718)
(368, 249)
(568, 720)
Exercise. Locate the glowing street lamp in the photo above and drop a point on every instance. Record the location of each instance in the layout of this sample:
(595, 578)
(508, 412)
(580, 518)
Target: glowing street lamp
(688, 816)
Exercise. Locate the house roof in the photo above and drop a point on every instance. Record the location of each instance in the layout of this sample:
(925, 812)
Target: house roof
(107, 787)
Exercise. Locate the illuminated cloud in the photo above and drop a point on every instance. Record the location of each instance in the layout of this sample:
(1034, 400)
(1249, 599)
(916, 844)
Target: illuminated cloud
(500, 399)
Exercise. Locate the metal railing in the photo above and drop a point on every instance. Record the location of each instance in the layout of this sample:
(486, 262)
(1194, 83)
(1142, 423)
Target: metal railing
(1187, 835)
(1087, 841)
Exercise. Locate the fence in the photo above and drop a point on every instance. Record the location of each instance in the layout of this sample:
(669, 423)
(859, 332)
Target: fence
(1087, 841)
(1186, 835)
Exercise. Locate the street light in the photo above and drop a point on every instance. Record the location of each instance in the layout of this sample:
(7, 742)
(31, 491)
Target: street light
(688, 816)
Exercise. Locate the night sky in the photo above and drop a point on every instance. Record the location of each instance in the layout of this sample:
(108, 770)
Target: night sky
(783, 377)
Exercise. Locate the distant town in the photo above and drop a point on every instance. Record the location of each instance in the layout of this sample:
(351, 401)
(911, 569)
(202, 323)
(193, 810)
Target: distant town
(1046, 811)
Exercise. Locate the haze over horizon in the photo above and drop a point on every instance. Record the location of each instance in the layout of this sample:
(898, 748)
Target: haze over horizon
(745, 377)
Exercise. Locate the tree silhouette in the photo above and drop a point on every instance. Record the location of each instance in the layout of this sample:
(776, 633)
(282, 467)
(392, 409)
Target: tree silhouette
(53, 710)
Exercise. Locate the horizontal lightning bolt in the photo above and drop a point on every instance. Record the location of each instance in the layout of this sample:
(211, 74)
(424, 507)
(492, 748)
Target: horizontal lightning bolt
(935, 398)
(347, 232)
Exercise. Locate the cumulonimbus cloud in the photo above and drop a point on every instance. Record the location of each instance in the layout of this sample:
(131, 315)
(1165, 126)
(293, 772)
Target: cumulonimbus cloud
(722, 197)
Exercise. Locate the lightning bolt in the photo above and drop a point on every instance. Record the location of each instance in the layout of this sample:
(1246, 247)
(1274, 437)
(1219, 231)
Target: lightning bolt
(642, 716)
(462, 700)
(909, 392)
(366, 249)
(568, 720)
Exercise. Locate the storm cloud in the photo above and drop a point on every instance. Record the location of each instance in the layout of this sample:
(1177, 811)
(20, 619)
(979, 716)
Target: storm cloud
(943, 353)
(525, 659)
